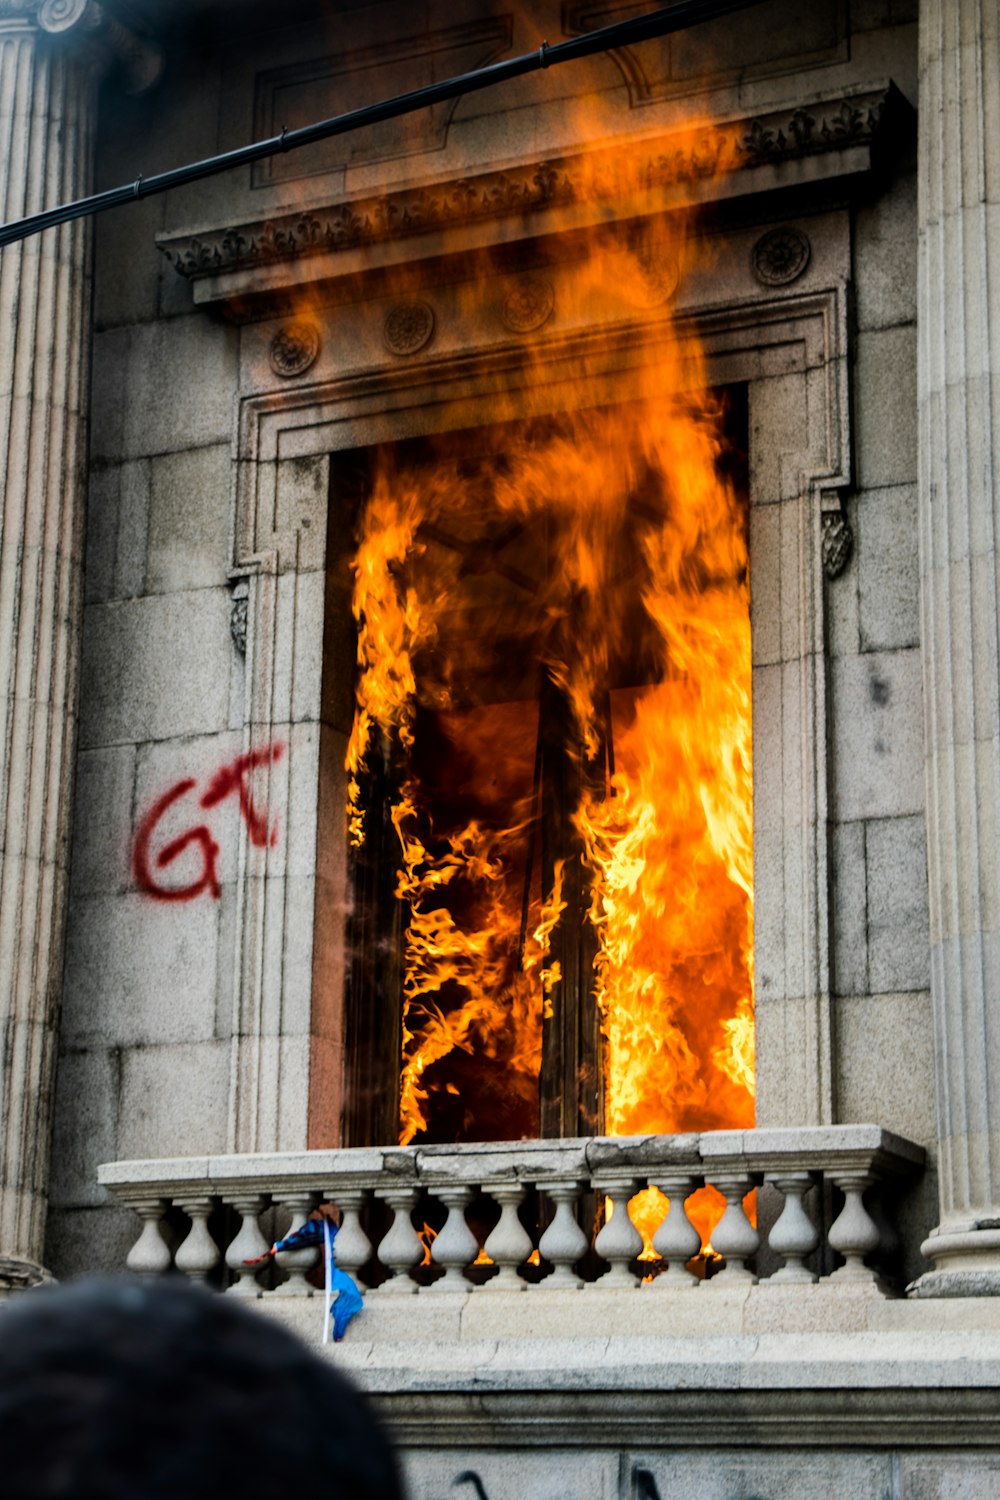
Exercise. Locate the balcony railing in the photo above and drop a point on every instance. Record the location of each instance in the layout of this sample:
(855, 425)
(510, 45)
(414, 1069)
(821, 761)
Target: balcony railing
(532, 1214)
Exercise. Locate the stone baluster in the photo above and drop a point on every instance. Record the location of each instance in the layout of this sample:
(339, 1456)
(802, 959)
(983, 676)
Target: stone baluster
(456, 1246)
(564, 1242)
(509, 1243)
(734, 1237)
(401, 1248)
(298, 1263)
(150, 1255)
(198, 1253)
(676, 1241)
(854, 1233)
(794, 1235)
(618, 1241)
(247, 1244)
(352, 1248)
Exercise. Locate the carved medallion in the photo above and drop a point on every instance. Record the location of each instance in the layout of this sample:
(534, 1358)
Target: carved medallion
(780, 256)
(658, 280)
(408, 327)
(528, 304)
(294, 348)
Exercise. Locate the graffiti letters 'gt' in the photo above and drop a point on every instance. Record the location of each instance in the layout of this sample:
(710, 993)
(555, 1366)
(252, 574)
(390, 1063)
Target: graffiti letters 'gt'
(232, 779)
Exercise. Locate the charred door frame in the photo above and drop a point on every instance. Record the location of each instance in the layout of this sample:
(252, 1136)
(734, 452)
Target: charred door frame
(789, 344)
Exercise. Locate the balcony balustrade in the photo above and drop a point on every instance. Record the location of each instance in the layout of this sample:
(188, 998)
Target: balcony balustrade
(533, 1215)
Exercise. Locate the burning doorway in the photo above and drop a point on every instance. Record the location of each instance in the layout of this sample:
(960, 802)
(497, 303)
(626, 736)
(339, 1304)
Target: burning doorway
(550, 779)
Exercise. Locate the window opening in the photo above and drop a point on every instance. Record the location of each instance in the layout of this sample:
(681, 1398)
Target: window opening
(550, 809)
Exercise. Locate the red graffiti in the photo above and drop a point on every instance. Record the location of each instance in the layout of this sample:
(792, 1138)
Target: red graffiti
(232, 778)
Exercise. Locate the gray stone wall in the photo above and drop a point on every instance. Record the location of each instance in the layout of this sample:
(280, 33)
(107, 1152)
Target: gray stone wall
(146, 1055)
(144, 1058)
(880, 924)
(882, 1013)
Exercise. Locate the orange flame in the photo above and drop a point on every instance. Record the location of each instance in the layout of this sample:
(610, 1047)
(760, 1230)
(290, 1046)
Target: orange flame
(427, 1236)
(705, 1207)
(599, 558)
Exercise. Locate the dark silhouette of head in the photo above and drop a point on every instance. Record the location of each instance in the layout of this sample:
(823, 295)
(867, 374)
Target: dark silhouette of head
(120, 1389)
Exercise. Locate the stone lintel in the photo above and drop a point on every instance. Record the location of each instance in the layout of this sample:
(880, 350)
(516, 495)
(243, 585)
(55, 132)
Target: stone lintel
(262, 266)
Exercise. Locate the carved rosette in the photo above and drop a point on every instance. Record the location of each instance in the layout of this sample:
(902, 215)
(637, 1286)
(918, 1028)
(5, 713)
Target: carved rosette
(837, 543)
(528, 304)
(780, 256)
(408, 327)
(658, 281)
(294, 348)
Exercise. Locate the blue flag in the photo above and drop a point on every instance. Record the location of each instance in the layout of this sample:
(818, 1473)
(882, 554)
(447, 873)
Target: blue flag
(343, 1298)
(349, 1299)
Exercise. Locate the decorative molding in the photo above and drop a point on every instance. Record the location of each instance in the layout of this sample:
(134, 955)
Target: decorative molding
(780, 256)
(297, 93)
(837, 543)
(294, 348)
(660, 278)
(735, 49)
(640, 1409)
(238, 614)
(19, 1275)
(528, 304)
(97, 36)
(408, 327)
(62, 15)
(674, 164)
(284, 438)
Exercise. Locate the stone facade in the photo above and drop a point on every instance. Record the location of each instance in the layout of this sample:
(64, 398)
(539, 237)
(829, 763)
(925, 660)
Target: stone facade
(249, 330)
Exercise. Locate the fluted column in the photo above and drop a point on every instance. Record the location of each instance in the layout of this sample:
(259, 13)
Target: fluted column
(47, 100)
(959, 508)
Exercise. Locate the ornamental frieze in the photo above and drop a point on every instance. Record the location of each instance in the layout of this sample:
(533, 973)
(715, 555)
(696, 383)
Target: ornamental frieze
(846, 126)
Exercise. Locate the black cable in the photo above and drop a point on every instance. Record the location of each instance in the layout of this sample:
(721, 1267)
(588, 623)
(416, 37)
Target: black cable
(676, 17)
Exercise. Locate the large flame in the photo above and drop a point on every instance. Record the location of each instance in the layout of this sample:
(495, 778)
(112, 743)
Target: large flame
(591, 566)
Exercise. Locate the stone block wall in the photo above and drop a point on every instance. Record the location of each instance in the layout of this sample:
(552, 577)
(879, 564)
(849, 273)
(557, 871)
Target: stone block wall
(881, 967)
(150, 988)
(144, 1057)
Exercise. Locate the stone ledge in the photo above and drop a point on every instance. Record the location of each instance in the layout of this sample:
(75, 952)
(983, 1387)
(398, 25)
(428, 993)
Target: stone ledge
(803, 1149)
(451, 1327)
(921, 1385)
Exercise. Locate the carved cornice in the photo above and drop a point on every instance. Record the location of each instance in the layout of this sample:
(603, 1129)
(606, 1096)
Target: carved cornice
(678, 167)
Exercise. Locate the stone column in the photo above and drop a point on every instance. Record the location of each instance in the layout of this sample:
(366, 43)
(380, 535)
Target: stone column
(51, 53)
(959, 513)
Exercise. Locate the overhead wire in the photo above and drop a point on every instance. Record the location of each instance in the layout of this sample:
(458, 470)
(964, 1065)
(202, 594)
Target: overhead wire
(677, 17)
